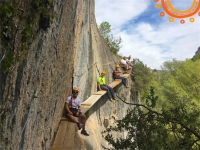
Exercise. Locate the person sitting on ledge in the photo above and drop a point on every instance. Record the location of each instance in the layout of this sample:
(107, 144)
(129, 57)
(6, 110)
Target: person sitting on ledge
(129, 62)
(116, 75)
(102, 86)
(73, 109)
(125, 65)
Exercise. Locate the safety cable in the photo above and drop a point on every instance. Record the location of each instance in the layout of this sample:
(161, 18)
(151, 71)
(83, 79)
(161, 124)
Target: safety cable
(97, 69)
(72, 78)
(50, 88)
(107, 63)
(111, 67)
(63, 78)
(85, 71)
(78, 76)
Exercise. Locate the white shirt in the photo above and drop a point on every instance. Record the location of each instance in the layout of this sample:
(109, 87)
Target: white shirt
(123, 62)
(75, 102)
(128, 61)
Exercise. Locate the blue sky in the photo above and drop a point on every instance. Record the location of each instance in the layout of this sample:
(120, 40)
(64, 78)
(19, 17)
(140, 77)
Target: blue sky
(146, 35)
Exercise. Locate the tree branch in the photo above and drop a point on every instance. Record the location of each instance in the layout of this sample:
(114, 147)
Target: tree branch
(172, 120)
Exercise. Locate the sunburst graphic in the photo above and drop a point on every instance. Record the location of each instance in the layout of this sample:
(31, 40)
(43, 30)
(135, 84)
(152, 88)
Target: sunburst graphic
(173, 13)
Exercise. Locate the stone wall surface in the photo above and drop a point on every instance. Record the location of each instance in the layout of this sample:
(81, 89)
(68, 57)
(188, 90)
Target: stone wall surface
(35, 93)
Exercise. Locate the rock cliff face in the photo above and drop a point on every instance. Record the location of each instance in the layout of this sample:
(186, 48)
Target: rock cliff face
(34, 94)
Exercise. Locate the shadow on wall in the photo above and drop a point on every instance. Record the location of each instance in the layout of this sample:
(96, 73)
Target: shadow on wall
(97, 105)
(101, 102)
(89, 147)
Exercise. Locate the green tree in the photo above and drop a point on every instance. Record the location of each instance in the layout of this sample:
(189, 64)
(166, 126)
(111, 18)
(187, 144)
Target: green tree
(105, 29)
(142, 77)
(113, 43)
(197, 55)
(148, 128)
(184, 79)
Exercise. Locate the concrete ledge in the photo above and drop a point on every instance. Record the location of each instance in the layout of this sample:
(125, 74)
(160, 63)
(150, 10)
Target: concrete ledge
(115, 83)
(100, 93)
(84, 109)
(91, 100)
(125, 75)
(65, 136)
(64, 119)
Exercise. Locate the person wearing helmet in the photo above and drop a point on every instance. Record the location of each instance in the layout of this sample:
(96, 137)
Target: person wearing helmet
(128, 61)
(73, 109)
(116, 75)
(102, 86)
(125, 65)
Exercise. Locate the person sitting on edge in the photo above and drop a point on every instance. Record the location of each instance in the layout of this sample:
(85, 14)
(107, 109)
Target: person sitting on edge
(102, 86)
(73, 108)
(116, 75)
(125, 65)
(128, 61)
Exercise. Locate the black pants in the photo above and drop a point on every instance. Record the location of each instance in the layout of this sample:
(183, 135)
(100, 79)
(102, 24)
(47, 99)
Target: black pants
(74, 111)
(110, 91)
(122, 78)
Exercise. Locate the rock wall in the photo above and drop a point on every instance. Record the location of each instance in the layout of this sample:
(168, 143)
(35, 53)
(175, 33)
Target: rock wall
(34, 94)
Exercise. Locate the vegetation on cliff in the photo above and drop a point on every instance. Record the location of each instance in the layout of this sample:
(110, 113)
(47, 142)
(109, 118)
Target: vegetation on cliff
(106, 31)
(20, 23)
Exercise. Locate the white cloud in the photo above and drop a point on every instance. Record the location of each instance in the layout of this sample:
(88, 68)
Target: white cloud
(150, 42)
(118, 12)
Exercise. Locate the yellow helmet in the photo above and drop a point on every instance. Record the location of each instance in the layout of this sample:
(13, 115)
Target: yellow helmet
(103, 72)
(117, 66)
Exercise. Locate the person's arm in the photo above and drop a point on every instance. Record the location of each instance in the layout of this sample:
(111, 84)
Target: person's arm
(119, 72)
(79, 108)
(67, 108)
(99, 87)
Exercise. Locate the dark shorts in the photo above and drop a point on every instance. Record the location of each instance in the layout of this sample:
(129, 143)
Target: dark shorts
(74, 111)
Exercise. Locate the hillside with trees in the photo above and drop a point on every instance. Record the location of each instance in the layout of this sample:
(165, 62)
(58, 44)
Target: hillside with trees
(168, 116)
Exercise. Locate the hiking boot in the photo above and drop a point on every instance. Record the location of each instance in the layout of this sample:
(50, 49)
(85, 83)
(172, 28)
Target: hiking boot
(127, 86)
(80, 125)
(84, 132)
(112, 100)
(115, 99)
